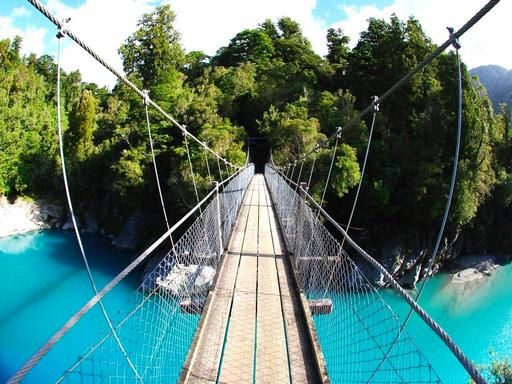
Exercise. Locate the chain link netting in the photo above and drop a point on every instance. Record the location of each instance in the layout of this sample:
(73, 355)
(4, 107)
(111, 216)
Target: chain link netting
(157, 333)
(357, 335)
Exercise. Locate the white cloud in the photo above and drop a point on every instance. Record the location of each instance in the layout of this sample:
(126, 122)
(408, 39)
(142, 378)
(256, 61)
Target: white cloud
(104, 26)
(19, 12)
(33, 37)
(484, 44)
(208, 25)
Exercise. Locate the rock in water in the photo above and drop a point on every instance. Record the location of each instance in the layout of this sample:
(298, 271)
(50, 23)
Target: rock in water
(68, 225)
(467, 275)
(411, 277)
(186, 280)
(205, 278)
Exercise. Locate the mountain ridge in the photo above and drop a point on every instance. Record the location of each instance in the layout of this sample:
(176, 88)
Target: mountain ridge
(497, 81)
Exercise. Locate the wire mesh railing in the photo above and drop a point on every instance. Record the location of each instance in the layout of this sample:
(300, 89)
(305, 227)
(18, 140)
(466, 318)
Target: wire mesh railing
(357, 334)
(157, 332)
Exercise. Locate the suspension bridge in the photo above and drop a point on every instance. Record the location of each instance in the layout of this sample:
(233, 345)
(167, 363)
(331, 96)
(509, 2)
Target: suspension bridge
(238, 297)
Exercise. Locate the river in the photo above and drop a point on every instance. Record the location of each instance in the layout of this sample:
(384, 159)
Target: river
(44, 282)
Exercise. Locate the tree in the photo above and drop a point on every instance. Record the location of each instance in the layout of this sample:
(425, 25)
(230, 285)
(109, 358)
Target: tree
(250, 45)
(154, 48)
(337, 47)
(82, 123)
(291, 132)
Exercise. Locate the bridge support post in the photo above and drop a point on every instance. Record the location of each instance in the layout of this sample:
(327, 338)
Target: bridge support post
(219, 221)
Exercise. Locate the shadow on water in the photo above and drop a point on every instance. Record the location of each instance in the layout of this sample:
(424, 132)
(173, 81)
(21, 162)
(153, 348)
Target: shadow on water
(102, 257)
(36, 296)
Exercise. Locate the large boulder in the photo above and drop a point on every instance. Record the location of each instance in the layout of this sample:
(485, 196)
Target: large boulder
(49, 212)
(187, 279)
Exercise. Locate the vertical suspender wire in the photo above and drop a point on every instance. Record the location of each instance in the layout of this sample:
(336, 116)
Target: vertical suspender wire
(300, 174)
(287, 171)
(227, 169)
(477, 376)
(207, 164)
(146, 98)
(220, 170)
(25, 369)
(358, 188)
(312, 169)
(454, 175)
(330, 171)
(293, 170)
(191, 169)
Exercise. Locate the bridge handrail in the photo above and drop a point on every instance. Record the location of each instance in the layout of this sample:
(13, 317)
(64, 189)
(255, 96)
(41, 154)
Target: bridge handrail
(447, 340)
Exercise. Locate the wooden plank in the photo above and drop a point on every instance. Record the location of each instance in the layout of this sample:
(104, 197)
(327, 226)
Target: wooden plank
(238, 360)
(271, 354)
(207, 355)
(271, 350)
(300, 354)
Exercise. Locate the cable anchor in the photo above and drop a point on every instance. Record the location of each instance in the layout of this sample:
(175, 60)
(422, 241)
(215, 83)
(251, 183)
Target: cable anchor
(339, 130)
(375, 103)
(61, 32)
(145, 97)
(453, 38)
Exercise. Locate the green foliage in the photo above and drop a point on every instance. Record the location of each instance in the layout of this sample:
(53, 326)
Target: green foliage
(337, 46)
(82, 123)
(251, 45)
(128, 172)
(267, 82)
(346, 170)
(499, 371)
(291, 132)
(27, 137)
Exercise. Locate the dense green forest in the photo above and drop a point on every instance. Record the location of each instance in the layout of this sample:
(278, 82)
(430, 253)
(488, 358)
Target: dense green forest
(268, 82)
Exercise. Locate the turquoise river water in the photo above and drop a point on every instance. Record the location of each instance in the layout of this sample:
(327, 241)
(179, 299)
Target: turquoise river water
(43, 283)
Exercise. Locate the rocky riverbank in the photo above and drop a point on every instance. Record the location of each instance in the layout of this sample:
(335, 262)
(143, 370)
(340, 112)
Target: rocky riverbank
(26, 215)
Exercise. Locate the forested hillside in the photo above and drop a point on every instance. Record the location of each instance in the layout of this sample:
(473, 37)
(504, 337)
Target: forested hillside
(497, 81)
(268, 82)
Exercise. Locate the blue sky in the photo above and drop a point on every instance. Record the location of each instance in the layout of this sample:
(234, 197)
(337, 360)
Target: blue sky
(206, 25)
(332, 11)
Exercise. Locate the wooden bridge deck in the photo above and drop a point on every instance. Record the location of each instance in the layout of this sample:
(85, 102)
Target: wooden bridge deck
(253, 330)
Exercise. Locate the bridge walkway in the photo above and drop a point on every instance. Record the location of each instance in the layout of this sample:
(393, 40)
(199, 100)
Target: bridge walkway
(253, 329)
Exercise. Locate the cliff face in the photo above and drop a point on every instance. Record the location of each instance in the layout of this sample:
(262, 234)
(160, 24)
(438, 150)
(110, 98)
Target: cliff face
(24, 216)
(408, 261)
